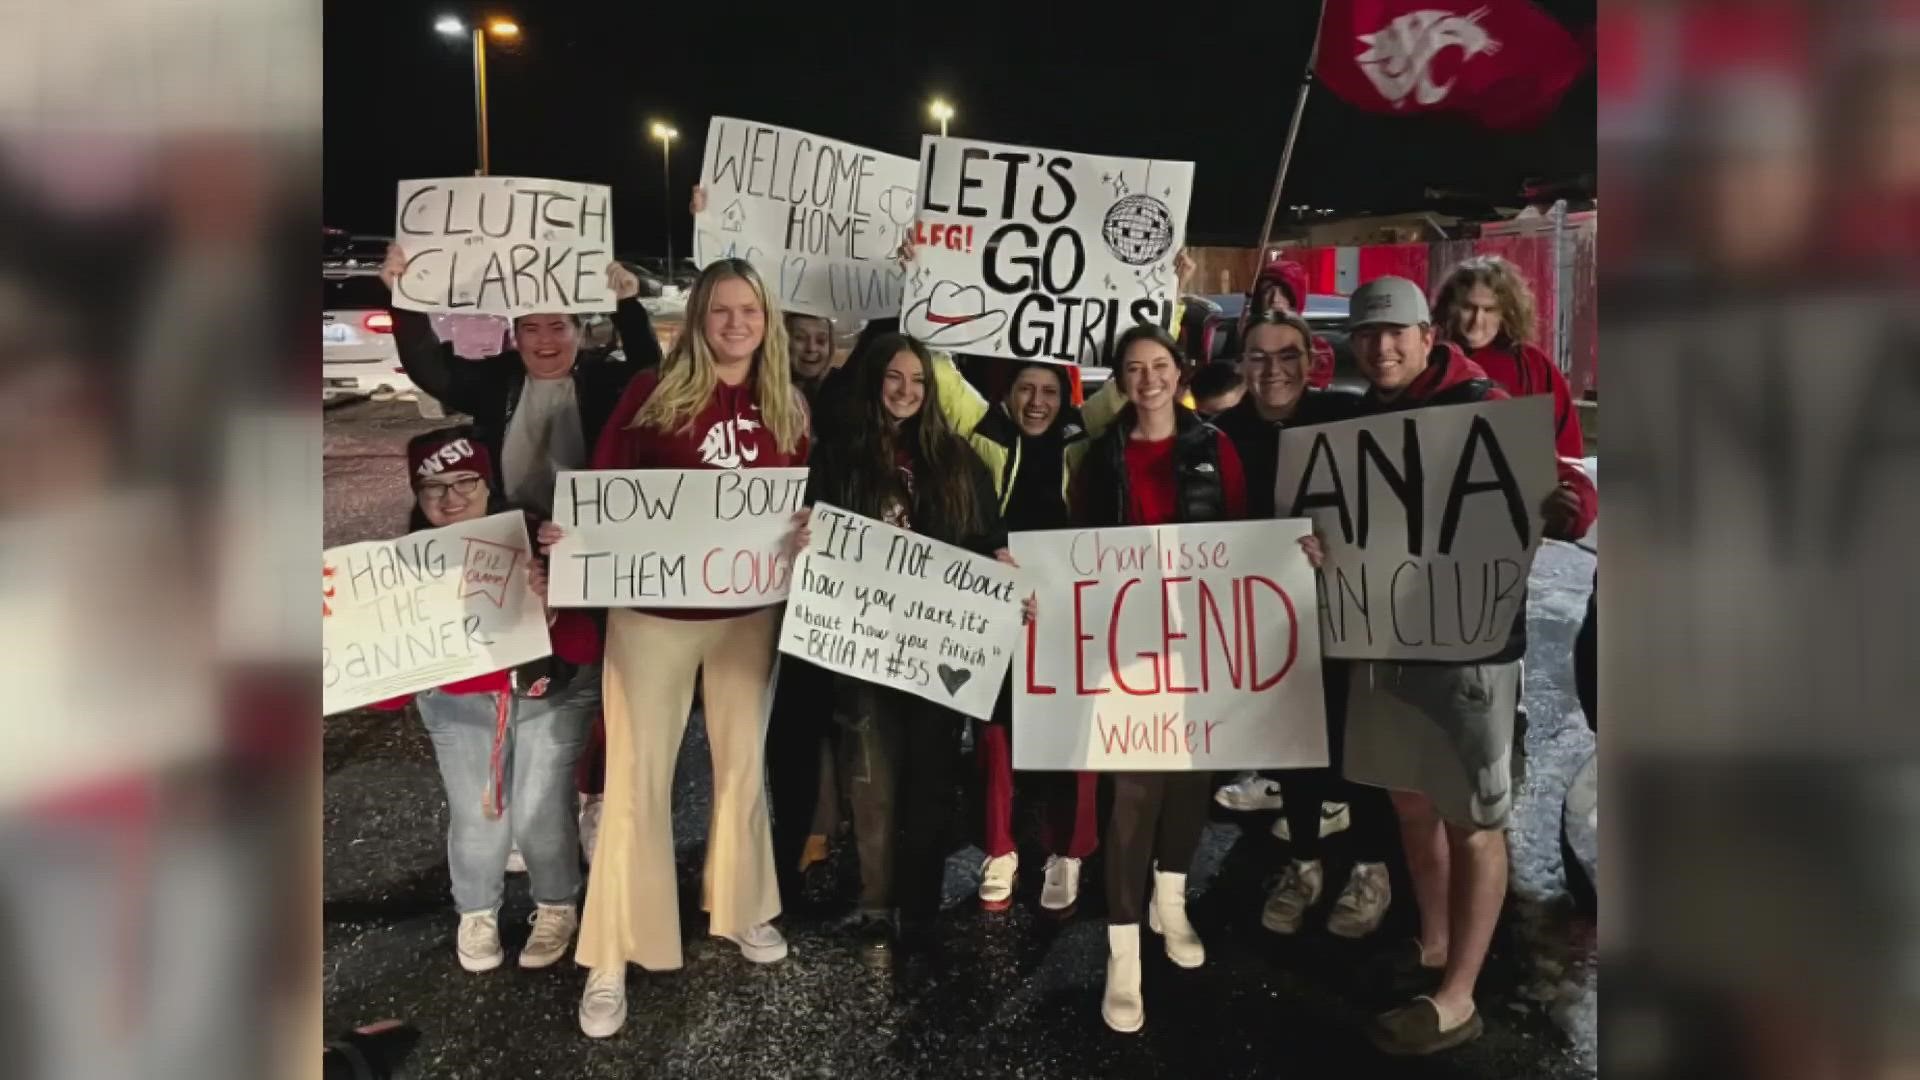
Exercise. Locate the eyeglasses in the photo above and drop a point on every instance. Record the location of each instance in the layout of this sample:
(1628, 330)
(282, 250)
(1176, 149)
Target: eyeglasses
(1285, 356)
(434, 490)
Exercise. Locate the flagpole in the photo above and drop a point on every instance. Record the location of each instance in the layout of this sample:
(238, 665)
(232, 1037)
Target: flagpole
(1293, 132)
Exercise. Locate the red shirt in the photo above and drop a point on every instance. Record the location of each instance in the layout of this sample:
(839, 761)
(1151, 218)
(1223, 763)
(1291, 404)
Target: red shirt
(1151, 481)
(1524, 371)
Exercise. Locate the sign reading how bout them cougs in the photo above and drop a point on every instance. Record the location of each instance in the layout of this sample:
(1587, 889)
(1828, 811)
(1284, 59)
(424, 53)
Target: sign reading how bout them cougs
(1041, 254)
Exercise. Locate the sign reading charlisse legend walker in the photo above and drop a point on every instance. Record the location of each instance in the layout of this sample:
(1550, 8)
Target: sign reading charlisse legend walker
(433, 607)
(504, 245)
(819, 218)
(1430, 518)
(1166, 648)
(899, 609)
(674, 538)
(1041, 254)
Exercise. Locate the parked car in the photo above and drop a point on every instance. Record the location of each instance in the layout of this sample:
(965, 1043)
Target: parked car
(358, 356)
(344, 251)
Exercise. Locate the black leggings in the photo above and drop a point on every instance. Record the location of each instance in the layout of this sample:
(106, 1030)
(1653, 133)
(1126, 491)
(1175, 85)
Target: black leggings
(1372, 830)
(802, 716)
(1586, 658)
(901, 760)
(1157, 818)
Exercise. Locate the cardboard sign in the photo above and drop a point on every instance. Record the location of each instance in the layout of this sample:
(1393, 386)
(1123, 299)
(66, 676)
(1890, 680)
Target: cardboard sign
(1430, 519)
(819, 218)
(1169, 648)
(674, 538)
(504, 245)
(430, 608)
(1041, 254)
(899, 609)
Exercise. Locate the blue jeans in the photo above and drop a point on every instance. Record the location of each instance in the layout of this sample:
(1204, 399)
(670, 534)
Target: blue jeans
(544, 740)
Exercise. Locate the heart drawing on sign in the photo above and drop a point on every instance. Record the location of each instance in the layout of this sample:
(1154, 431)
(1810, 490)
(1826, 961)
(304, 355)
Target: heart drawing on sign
(954, 678)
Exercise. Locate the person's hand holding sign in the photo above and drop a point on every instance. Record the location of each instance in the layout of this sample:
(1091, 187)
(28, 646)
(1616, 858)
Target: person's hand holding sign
(549, 534)
(699, 202)
(905, 255)
(802, 535)
(1562, 513)
(392, 269)
(1031, 604)
(624, 282)
(1183, 268)
(1316, 551)
(537, 581)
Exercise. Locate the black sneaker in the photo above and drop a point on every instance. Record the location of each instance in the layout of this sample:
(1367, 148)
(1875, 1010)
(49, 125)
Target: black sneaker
(876, 939)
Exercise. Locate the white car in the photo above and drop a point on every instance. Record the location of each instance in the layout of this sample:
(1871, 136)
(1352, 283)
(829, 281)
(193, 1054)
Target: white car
(358, 356)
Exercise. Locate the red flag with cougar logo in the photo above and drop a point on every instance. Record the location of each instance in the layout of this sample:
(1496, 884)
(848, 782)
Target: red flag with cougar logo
(1504, 63)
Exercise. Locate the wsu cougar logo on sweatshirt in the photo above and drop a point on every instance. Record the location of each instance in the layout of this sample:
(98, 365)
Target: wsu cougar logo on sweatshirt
(722, 447)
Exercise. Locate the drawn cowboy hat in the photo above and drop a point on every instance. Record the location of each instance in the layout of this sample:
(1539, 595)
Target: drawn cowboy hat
(953, 315)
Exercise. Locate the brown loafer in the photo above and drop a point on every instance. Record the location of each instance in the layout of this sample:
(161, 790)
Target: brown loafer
(1414, 1030)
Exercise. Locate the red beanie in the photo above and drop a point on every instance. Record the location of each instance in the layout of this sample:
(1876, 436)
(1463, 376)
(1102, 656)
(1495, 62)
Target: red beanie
(428, 456)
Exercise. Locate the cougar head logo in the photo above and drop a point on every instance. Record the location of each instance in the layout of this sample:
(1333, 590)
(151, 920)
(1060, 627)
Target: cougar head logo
(722, 447)
(1398, 58)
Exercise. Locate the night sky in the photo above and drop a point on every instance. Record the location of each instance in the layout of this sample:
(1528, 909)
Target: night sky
(1208, 83)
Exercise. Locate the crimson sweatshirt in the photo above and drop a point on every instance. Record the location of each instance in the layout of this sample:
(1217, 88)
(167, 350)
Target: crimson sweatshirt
(1525, 371)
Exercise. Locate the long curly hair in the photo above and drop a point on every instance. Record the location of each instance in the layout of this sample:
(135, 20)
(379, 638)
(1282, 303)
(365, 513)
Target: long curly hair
(687, 378)
(1510, 291)
(944, 503)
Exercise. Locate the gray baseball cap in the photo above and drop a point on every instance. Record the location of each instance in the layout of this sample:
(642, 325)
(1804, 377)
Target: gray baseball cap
(1393, 301)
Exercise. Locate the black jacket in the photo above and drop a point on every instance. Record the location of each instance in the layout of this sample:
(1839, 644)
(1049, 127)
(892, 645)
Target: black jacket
(489, 390)
(829, 470)
(1104, 497)
(1258, 440)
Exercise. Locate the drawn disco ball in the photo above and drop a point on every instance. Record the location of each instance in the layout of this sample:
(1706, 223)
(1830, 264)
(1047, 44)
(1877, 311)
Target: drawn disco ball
(1138, 230)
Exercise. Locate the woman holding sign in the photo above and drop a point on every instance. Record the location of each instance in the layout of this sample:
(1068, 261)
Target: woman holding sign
(722, 399)
(1157, 464)
(506, 742)
(896, 460)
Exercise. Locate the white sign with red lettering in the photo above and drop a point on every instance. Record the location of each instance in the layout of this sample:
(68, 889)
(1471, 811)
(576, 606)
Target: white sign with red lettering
(674, 538)
(1169, 648)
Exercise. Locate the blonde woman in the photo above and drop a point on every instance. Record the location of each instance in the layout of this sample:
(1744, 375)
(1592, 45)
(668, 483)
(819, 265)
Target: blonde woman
(722, 399)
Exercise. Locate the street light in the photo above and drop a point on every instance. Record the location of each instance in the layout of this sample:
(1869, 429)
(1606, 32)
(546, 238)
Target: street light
(666, 135)
(942, 112)
(501, 29)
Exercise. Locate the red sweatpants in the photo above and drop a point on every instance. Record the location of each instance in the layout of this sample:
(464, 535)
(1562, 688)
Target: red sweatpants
(1069, 824)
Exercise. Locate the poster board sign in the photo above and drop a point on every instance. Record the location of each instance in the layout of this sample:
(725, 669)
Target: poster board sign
(819, 218)
(674, 538)
(1041, 254)
(504, 245)
(432, 607)
(1430, 518)
(1169, 648)
(902, 610)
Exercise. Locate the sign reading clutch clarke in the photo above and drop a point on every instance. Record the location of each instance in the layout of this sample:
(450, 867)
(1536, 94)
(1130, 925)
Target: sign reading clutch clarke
(1041, 254)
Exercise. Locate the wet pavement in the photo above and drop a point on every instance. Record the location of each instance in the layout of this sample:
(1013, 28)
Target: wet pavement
(1010, 994)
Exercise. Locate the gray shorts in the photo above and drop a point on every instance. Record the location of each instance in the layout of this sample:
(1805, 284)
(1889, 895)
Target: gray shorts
(1445, 731)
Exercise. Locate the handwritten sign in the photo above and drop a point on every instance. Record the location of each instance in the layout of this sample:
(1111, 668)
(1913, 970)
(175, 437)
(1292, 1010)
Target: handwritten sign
(819, 218)
(1171, 647)
(674, 538)
(899, 609)
(433, 607)
(1430, 519)
(504, 245)
(1041, 254)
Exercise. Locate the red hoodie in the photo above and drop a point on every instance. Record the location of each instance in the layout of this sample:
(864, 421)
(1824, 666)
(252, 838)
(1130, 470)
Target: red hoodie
(576, 640)
(1449, 371)
(1292, 279)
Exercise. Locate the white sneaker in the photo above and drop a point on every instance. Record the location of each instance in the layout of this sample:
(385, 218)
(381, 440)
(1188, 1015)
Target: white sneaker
(603, 1008)
(1062, 888)
(553, 928)
(1167, 916)
(1298, 890)
(1334, 817)
(1280, 829)
(1121, 1006)
(516, 862)
(996, 881)
(478, 941)
(590, 824)
(1250, 792)
(1363, 903)
(761, 944)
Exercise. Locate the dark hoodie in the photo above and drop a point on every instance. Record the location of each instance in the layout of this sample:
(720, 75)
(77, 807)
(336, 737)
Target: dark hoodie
(1257, 439)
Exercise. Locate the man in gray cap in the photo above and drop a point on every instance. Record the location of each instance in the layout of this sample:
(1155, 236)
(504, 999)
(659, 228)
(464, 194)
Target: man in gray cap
(1452, 824)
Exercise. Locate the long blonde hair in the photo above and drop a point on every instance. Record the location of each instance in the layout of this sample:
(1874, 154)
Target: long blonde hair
(687, 378)
(1510, 292)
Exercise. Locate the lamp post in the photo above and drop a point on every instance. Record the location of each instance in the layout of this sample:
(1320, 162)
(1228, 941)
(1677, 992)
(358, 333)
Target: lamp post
(942, 112)
(666, 135)
(501, 29)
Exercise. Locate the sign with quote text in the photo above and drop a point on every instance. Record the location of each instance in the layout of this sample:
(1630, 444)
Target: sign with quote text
(819, 218)
(674, 538)
(504, 245)
(1041, 254)
(903, 610)
(1169, 648)
(433, 607)
(1430, 519)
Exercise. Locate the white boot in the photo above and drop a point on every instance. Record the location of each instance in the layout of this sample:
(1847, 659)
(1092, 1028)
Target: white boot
(1122, 1008)
(1167, 916)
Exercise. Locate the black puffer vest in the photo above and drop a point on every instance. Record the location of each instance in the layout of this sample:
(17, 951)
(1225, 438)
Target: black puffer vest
(1108, 499)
